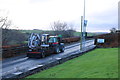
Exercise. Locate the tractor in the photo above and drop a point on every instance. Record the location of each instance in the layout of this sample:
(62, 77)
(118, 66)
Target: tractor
(43, 45)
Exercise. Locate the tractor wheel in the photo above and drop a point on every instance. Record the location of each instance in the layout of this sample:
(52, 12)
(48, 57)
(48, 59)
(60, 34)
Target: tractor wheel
(62, 50)
(43, 55)
(57, 50)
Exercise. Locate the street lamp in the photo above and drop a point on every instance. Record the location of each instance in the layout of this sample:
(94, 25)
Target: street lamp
(83, 29)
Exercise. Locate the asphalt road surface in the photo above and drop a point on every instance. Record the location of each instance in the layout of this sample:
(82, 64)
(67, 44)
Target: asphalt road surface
(16, 66)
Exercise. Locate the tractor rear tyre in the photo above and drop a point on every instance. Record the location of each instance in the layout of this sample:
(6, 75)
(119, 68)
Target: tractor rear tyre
(57, 50)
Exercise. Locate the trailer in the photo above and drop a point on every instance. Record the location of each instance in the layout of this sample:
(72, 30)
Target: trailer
(43, 45)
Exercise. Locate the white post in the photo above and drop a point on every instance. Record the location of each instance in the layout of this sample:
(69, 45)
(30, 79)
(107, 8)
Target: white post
(81, 36)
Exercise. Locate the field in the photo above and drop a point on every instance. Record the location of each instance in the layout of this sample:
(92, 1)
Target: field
(100, 63)
(51, 32)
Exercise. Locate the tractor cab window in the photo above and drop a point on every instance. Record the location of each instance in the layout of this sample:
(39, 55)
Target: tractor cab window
(53, 39)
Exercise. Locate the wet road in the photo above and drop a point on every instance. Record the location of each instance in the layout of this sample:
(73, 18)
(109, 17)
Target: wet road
(20, 65)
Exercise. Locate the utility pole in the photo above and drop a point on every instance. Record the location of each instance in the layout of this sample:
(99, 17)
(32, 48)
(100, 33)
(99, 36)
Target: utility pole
(84, 27)
(83, 30)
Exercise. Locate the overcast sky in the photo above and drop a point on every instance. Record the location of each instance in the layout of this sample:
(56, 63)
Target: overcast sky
(102, 15)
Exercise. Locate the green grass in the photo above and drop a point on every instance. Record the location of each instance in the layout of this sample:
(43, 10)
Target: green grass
(31, 31)
(100, 63)
(88, 34)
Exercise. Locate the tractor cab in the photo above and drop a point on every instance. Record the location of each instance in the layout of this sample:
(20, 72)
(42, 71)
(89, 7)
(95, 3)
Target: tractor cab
(50, 40)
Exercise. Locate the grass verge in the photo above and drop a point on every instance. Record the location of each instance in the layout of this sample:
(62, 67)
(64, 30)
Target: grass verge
(100, 63)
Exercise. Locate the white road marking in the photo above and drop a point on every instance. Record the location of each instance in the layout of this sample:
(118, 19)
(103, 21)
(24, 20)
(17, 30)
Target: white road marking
(17, 73)
(39, 65)
(33, 68)
(58, 58)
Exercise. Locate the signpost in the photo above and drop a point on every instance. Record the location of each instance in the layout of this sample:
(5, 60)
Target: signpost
(81, 33)
(100, 40)
(85, 23)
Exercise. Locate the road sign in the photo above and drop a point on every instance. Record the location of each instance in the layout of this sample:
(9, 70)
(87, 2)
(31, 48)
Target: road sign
(85, 23)
(101, 40)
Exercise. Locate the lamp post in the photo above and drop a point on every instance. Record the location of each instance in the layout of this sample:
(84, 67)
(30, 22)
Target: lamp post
(83, 30)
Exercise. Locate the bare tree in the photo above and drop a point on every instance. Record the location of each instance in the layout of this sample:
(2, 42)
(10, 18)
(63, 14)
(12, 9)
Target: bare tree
(59, 26)
(70, 31)
(4, 26)
(4, 23)
(62, 28)
(113, 30)
(9, 36)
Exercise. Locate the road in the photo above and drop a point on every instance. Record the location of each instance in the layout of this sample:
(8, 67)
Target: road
(20, 65)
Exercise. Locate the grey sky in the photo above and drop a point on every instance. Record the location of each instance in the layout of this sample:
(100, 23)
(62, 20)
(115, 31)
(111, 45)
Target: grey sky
(105, 20)
(102, 15)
